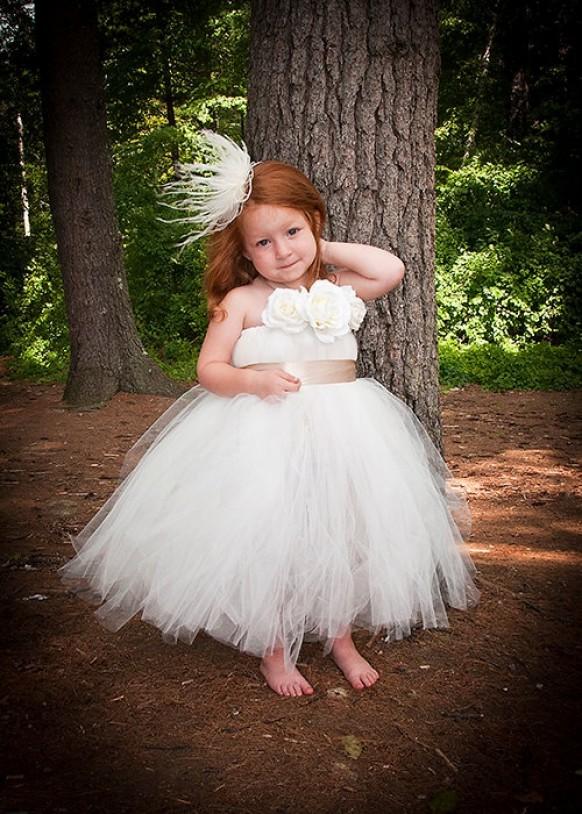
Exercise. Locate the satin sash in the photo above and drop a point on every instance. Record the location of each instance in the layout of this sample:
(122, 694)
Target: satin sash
(316, 371)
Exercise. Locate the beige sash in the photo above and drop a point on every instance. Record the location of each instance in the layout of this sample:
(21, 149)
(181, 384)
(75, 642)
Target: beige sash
(316, 371)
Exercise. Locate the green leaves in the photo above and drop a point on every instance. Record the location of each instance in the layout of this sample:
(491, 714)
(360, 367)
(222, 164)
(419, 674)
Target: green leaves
(537, 366)
(504, 268)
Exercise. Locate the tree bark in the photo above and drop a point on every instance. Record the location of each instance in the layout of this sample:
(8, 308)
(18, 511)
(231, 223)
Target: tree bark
(106, 352)
(346, 90)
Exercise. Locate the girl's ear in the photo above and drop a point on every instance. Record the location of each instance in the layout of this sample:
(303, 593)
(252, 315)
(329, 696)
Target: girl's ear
(243, 250)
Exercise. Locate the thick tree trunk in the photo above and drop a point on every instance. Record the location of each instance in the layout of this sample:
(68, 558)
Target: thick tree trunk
(346, 90)
(106, 352)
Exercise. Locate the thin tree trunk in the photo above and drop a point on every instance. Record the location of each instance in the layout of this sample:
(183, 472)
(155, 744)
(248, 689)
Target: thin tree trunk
(106, 352)
(162, 11)
(518, 59)
(482, 83)
(346, 90)
(169, 98)
(23, 186)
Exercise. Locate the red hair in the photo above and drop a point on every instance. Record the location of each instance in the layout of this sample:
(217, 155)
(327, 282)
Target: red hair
(276, 184)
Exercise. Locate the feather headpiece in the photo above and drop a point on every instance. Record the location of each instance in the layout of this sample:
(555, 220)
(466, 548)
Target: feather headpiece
(212, 194)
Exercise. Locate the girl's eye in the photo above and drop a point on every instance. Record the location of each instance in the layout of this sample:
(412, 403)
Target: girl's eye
(293, 230)
(262, 242)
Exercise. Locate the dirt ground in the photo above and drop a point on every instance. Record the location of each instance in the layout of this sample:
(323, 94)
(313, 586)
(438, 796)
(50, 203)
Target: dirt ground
(480, 717)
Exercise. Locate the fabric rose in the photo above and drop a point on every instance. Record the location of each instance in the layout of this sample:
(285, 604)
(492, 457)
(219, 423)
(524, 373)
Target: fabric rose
(328, 310)
(357, 307)
(285, 309)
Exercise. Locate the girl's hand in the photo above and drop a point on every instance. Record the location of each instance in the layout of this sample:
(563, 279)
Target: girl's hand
(275, 383)
(323, 245)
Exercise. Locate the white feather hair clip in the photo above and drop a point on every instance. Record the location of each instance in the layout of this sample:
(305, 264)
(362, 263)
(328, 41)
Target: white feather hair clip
(214, 199)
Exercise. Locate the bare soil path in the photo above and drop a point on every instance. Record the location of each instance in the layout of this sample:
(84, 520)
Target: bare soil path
(481, 717)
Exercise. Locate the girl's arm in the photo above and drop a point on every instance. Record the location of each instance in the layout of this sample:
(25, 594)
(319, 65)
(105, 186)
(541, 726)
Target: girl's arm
(370, 271)
(216, 372)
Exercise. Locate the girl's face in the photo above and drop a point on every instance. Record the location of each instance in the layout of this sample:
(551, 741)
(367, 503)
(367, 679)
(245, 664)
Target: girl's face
(279, 243)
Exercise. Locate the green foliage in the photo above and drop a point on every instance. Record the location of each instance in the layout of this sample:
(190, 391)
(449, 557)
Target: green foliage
(38, 335)
(165, 284)
(504, 268)
(208, 44)
(538, 366)
(195, 51)
(209, 47)
(34, 326)
(165, 289)
(508, 200)
(177, 358)
(508, 241)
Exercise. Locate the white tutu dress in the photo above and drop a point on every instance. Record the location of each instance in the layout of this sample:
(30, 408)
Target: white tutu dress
(269, 522)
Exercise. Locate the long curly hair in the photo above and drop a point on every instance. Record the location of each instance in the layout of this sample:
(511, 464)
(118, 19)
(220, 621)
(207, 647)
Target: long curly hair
(276, 184)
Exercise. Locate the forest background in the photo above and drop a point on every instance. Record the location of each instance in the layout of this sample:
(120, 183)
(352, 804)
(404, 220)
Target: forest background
(509, 160)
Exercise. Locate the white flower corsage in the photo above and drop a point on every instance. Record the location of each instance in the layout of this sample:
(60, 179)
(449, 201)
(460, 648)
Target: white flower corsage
(285, 309)
(329, 309)
(357, 307)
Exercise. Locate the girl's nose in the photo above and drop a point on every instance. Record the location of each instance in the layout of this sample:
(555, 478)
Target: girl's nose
(281, 249)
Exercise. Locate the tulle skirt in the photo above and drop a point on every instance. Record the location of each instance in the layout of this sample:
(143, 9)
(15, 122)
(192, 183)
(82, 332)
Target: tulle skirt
(267, 523)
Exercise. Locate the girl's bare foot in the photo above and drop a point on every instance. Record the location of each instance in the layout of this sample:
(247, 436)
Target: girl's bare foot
(356, 669)
(283, 681)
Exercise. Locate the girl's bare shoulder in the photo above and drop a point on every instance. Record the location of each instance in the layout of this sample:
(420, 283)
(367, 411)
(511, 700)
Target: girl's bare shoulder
(237, 298)
(245, 302)
(249, 301)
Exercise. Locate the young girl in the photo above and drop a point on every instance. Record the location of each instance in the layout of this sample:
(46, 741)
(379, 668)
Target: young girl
(281, 499)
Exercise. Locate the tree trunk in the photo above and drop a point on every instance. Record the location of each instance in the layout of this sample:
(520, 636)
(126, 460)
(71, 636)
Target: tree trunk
(23, 185)
(481, 91)
(347, 92)
(169, 99)
(517, 59)
(106, 352)
(162, 13)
